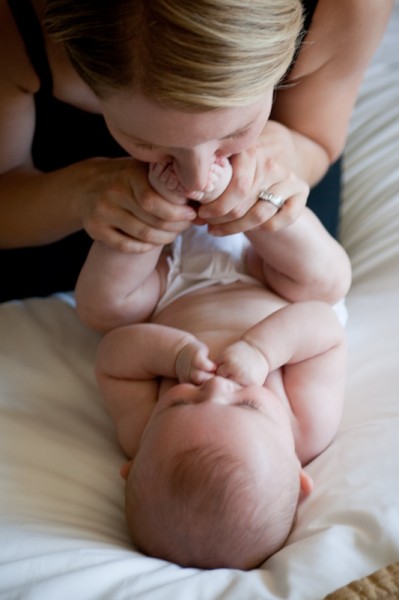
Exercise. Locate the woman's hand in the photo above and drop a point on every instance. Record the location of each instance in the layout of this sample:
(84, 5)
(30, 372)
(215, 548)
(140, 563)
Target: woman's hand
(270, 166)
(121, 209)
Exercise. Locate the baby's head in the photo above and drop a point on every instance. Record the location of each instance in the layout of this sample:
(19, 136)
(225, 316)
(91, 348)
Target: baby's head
(206, 507)
(213, 484)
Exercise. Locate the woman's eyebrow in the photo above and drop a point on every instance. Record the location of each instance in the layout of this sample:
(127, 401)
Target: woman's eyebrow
(225, 137)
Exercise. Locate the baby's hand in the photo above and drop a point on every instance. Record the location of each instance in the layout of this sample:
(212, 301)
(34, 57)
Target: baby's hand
(193, 364)
(243, 363)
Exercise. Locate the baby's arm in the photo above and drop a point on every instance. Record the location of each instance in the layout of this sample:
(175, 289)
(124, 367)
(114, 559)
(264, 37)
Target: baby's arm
(131, 359)
(115, 288)
(164, 180)
(149, 350)
(308, 342)
(302, 261)
(129, 362)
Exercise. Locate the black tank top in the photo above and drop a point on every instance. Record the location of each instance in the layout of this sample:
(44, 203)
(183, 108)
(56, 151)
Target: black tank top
(63, 135)
(309, 6)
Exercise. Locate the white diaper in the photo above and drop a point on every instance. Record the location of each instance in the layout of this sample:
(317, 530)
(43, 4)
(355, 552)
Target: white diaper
(200, 260)
(341, 311)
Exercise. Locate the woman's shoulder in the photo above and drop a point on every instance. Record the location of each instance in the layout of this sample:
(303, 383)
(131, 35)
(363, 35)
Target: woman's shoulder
(342, 36)
(15, 65)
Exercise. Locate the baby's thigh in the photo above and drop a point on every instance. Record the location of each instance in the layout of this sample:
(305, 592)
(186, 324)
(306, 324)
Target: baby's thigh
(254, 265)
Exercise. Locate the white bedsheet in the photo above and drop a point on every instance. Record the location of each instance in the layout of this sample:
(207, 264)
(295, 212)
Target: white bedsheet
(62, 528)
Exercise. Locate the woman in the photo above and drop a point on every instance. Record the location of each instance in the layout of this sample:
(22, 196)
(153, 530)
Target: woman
(195, 80)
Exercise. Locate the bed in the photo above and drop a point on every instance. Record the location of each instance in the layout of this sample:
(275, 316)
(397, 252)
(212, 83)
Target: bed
(62, 528)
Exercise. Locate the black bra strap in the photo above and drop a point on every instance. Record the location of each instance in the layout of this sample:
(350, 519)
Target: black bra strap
(30, 30)
(309, 8)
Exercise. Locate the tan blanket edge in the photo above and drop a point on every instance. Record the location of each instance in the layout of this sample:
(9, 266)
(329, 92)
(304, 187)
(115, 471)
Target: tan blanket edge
(380, 585)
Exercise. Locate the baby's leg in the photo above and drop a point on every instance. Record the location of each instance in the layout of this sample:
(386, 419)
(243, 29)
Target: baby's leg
(115, 288)
(302, 261)
(164, 180)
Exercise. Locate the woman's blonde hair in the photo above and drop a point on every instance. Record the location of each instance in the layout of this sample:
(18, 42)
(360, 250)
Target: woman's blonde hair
(187, 54)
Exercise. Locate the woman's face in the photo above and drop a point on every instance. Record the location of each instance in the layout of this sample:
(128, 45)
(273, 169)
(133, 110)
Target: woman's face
(153, 133)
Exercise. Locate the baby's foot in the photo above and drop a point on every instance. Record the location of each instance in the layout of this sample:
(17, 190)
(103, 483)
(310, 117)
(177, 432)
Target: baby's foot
(164, 180)
(219, 178)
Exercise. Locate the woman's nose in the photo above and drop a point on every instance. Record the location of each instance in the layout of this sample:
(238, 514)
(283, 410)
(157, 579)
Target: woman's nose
(192, 169)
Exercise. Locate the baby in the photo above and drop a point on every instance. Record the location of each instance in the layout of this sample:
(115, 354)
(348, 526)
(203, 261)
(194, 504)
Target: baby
(234, 383)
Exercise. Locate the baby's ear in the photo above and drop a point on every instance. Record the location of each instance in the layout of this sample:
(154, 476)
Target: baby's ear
(306, 483)
(125, 469)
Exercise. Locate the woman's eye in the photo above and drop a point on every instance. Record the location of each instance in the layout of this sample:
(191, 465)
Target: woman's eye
(142, 146)
(250, 404)
(178, 403)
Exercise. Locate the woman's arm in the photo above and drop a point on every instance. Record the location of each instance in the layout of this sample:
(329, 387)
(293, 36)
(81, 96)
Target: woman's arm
(309, 120)
(316, 102)
(110, 198)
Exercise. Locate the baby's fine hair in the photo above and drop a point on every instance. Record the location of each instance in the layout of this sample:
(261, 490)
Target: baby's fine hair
(191, 55)
(208, 511)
